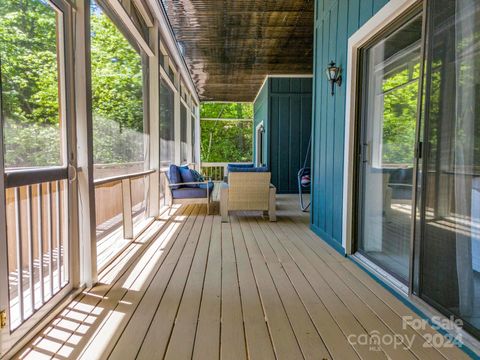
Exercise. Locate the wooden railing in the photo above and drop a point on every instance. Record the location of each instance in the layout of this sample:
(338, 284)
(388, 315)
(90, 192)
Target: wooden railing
(121, 212)
(37, 238)
(108, 203)
(102, 171)
(216, 170)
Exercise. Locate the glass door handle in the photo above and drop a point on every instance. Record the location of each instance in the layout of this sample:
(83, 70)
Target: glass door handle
(366, 153)
(72, 173)
(419, 150)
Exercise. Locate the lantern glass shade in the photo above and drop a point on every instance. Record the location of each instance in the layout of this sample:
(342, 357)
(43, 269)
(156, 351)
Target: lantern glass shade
(328, 73)
(332, 72)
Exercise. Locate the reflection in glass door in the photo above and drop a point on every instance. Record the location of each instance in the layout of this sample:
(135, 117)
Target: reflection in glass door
(390, 78)
(448, 275)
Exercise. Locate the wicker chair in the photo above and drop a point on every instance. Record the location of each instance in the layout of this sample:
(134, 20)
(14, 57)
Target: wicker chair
(248, 191)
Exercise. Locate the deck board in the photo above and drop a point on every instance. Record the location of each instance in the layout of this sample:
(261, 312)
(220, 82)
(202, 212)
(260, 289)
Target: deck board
(232, 329)
(132, 338)
(191, 287)
(83, 312)
(328, 329)
(283, 336)
(156, 339)
(183, 334)
(307, 336)
(355, 305)
(207, 337)
(120, 303)
(259, 344)
(387, 308)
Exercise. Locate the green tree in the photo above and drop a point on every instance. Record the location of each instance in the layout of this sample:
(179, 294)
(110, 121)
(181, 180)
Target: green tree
(226, 110)
(117, 81)
(28, 52)
(226, 140)
(30, 103)
(117, 86)
(29, 55)
(400, 96)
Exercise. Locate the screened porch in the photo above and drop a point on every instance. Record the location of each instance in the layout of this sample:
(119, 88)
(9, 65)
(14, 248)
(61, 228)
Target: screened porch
(106, 253)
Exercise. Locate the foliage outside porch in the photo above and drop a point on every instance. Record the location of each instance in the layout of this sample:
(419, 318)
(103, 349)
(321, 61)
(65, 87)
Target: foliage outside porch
(226, 132)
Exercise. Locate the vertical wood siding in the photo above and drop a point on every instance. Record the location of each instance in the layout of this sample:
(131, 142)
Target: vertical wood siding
(287, 123)
(335, 22)
(260, 113)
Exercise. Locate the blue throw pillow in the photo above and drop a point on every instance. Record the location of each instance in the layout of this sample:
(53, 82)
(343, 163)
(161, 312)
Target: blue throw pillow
(198, 177)
(187, 176)
(174, 176)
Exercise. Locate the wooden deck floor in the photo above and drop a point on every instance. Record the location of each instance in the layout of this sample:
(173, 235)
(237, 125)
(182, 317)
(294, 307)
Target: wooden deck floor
(192, 287)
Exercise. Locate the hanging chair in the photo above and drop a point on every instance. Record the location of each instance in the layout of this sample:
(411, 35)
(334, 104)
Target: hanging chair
(304, 180)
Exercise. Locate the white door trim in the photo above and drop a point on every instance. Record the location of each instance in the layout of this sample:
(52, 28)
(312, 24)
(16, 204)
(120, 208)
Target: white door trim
(392, 11)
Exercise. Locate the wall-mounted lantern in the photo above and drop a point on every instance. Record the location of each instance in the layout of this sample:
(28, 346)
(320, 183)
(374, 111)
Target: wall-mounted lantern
(334, 75)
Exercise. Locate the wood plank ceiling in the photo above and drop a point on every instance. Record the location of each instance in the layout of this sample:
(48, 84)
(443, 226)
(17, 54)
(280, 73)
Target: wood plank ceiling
(231, 45)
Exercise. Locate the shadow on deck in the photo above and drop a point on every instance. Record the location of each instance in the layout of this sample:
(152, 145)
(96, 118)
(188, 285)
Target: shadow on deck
(193, 287)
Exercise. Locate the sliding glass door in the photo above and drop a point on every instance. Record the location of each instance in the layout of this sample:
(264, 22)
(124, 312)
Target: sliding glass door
(391, 69)
(419, 171)
(448, 275)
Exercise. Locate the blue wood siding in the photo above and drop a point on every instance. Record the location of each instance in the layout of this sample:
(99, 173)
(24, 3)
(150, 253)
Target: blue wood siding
(335, 22)
(260, 113)
(288, 127)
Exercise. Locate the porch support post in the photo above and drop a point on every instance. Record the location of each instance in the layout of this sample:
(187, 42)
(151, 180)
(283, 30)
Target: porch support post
(190, 156)
(127, 209)
(86, 191)
(154, 128)
(197, 137)
(177, 130)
